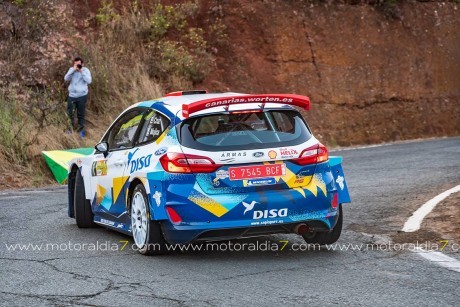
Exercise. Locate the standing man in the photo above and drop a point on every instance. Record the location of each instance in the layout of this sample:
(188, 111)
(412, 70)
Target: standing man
(79, 77)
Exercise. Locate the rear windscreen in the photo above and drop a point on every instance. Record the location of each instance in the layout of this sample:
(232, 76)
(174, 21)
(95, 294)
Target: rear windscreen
(237, 131)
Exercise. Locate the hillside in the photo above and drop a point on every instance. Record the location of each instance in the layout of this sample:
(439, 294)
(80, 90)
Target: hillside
(376, 71)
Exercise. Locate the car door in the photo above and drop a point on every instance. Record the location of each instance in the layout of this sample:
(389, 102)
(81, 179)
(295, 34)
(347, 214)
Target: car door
(108, 172)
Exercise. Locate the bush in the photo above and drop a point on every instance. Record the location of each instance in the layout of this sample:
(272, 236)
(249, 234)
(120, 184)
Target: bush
(16, 135)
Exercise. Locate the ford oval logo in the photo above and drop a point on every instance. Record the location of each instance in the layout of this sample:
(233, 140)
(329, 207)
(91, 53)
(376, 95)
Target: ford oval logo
(161, 151)
(258, 154)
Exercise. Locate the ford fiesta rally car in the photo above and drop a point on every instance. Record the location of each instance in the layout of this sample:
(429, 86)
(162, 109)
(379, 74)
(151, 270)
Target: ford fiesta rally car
(194, 166)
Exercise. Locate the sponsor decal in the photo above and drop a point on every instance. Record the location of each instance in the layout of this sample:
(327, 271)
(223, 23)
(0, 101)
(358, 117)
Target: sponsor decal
(259, 214)
(216, 182)
(288, 153)
(157, 197)
(222, 174)
(156, 120)
(249, 207)
(229, 101)
(140, 163)
(300, 177)
(261, 181)
(107, 222)
(272, 154)
(161, 151)
(340, 180)
(302, 174)
(232, 154)
(131, 155)
(258, 154)
(155, 132)
(100, 168)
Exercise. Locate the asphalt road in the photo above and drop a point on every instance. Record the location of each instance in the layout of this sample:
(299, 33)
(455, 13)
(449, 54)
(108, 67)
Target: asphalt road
(387, 184)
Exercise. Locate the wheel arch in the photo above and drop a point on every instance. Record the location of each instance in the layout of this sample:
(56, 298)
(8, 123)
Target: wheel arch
(133, 183)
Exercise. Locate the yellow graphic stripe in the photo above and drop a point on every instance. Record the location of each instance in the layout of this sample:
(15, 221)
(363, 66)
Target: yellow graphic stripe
(207, 204)
(162, 136)
(100, 193)
(316, 183)
(118, 183)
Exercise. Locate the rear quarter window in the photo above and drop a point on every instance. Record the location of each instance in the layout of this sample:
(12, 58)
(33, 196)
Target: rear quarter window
(250, 130)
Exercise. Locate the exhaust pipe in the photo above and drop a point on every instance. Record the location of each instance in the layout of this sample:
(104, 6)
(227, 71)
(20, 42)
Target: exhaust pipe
(301, 229)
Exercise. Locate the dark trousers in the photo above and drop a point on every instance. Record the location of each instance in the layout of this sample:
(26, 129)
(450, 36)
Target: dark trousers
(80, 104)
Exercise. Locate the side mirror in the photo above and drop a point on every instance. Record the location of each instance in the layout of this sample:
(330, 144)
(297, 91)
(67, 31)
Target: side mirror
(103, 147)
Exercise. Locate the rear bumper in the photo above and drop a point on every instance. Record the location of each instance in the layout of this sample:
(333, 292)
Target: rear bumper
(205, 217)
(217, 231)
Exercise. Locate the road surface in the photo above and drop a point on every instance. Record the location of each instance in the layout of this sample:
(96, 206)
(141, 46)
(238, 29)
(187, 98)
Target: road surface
(387, 184)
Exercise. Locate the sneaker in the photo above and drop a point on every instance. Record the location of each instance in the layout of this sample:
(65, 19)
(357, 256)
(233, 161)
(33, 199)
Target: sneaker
(82, 134)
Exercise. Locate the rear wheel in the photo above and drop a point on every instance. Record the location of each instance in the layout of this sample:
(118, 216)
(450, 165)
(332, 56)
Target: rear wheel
(147, 233)
(82, 207)
(331, 237)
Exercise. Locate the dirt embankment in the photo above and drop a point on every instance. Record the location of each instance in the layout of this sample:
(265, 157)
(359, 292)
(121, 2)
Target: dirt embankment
(373, 73)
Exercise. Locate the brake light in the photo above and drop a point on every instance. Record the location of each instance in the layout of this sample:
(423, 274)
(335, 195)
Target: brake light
(180, 163)
(174, 216)
(312, 155)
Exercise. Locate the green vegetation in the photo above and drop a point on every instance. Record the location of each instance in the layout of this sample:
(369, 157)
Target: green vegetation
(15, 137)
(134, 52)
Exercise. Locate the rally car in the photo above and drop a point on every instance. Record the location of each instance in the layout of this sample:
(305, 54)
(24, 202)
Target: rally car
(195, 166)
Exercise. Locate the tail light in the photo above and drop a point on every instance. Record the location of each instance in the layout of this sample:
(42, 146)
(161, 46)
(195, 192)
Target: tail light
(181, 163)
(312, 155)
(174, 216)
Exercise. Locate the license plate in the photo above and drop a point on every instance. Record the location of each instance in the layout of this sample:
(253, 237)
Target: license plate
(259, 171)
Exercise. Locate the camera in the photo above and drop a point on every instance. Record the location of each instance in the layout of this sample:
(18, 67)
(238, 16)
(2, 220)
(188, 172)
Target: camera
(79, 66)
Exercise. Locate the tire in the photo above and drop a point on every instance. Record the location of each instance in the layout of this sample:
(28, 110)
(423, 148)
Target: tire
(331, 237)
(82, 207)
(147, 234)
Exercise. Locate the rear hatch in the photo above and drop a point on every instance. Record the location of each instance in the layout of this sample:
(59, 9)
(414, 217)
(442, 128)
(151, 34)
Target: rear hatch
(247, 151)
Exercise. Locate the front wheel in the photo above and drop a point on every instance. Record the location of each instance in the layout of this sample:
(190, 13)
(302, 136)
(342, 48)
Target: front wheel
(147, 233)
(331, 237)
(82, 207)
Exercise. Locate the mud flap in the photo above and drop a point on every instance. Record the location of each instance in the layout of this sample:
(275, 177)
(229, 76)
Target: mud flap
(335, 163)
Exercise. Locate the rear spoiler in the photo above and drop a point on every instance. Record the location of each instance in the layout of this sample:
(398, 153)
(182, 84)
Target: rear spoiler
(289, 99)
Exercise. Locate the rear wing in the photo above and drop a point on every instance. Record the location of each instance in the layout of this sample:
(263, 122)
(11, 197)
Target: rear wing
(289, 99)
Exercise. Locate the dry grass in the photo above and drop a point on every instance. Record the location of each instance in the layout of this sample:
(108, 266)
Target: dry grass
(134, 55)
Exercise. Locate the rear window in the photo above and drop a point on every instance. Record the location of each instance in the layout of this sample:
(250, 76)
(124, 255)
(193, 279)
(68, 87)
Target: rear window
(238, 131)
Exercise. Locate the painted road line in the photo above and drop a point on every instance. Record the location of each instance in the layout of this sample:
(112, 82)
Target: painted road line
(414, 222)
(440, 259)
(357, 147)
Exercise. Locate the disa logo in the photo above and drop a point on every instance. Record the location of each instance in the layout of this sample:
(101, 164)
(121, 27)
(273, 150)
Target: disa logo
(258, 214)
(140, 163)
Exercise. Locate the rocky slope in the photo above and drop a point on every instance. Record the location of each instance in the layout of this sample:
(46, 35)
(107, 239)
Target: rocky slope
(376, 71)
